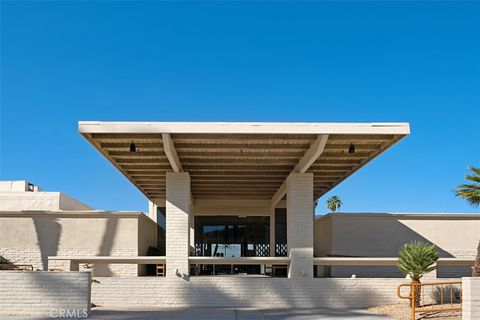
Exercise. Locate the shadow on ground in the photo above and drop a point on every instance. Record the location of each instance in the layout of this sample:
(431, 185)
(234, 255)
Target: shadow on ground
(232, 314)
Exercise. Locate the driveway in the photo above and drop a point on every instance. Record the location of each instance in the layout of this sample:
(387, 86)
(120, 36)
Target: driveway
(231, 314)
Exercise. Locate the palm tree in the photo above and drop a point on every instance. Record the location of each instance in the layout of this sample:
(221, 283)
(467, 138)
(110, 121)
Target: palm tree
(476, 267)
(416, 259)
(471, 193)
(334, 203)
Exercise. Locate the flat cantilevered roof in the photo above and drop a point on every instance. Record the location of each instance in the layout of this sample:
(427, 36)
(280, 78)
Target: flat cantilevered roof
(249, 160)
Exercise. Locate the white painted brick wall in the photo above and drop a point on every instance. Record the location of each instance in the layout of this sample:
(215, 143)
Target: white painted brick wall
(34, 257)
(39, 293)
(245, 292)
(300, 224)
(177, 222)
(471, 298)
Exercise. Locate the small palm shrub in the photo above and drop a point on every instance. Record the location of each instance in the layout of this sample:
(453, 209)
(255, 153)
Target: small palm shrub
(416, 259)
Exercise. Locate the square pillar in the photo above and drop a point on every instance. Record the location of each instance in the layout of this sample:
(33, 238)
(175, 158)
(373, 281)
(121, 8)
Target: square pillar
(152, 210)
(178, 204)
(300, 224)
(470, 298)
(191, 227)
(272, 231)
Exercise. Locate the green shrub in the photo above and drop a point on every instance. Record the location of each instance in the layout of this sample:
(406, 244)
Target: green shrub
(4, 260)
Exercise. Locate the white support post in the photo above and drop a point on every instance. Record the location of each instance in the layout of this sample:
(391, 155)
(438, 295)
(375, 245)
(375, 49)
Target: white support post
(178, 205)
(470, 298)
(272, 231)
(300, 224)
(191, 230)
(152, 210)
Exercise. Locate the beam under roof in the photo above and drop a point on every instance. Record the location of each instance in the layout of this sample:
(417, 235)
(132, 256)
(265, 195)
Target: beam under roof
(232, 159)
(302, 166)
(171, 153)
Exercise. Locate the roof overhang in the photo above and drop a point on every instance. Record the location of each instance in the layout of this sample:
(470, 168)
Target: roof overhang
(237, 159)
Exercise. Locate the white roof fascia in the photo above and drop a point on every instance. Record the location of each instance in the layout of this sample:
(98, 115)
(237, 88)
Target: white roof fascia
(243, 127)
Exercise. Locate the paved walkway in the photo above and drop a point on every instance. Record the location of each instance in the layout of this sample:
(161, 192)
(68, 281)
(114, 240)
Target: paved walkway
(231, 314)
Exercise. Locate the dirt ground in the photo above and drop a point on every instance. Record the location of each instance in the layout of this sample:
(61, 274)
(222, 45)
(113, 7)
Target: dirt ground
(403, 312)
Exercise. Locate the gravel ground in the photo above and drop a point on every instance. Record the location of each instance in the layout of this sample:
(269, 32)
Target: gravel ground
(403, 312)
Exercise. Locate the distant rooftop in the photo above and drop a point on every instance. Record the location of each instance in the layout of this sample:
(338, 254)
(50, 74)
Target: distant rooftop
(21, 195)
(18, 186)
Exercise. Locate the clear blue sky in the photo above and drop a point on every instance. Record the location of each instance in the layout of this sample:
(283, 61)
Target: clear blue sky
(258, 61)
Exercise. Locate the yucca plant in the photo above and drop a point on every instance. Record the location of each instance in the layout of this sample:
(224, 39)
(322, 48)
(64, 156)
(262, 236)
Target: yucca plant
(334, 203)
(416, 259)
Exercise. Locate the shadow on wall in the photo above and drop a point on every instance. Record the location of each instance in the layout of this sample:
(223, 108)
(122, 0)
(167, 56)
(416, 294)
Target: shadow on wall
(48, 232)
(106, 247)
(229, 292)
(360, 236)
(383, 237)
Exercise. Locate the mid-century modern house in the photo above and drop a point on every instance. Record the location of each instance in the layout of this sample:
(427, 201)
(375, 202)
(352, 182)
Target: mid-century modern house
(231, 217)
(230, 191)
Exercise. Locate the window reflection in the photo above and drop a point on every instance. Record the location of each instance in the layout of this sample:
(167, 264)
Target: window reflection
(227, 236)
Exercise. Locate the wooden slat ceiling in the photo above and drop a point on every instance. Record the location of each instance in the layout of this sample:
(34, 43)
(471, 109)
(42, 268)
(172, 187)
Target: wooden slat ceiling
(250, 166)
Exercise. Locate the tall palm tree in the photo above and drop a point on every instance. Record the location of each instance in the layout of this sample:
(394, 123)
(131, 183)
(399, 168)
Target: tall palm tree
(334, 203)
(416, 259)
(476, 267)
(471, 193)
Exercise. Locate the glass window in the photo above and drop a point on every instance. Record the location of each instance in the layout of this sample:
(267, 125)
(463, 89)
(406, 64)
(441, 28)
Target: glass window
(232, 236)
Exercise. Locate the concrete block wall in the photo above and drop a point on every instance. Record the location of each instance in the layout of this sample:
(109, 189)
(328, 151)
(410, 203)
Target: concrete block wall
(36, 259)
(44, 293)
(245, 292)
(471, 298)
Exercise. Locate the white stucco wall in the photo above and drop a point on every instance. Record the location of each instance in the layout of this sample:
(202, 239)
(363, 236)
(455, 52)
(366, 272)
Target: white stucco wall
(382, 235)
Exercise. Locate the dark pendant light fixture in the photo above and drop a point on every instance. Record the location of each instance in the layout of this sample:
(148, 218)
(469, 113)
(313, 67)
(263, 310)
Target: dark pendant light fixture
(133, 147)
(351, 149)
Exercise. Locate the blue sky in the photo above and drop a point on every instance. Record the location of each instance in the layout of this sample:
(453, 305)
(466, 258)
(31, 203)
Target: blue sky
(415, 62)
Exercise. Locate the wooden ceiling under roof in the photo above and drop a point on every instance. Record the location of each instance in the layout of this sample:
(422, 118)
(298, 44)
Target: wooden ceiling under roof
(236, 165)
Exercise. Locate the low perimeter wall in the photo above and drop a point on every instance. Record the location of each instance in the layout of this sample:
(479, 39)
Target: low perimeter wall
(245, 292)
(48, 294)
(471, 298)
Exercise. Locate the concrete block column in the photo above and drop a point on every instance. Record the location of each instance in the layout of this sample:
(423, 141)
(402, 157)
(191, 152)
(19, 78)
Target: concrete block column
(178, 204)
(152, 211)
(272, 231)
(300, 224)
(471, 298)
